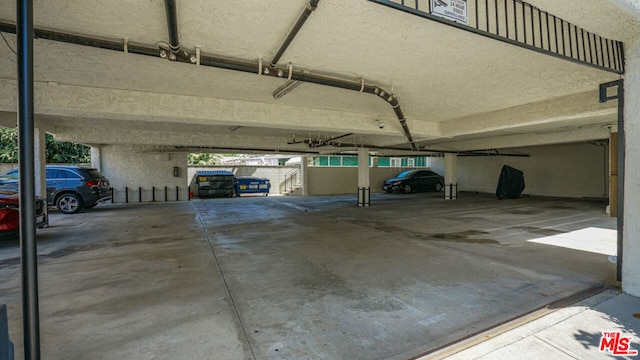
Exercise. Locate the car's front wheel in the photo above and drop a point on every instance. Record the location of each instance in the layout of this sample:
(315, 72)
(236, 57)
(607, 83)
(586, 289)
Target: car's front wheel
(407, 189)
(438, 187)
(69, 203)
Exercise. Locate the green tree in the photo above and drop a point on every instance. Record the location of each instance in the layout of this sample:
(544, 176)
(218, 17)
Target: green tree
(204, 159)
(56, 151)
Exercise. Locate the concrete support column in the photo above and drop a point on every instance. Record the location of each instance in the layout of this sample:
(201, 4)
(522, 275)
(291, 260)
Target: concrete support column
(631, 234)
(40, 162)
(304, 175)
(364, 185)
(96, 157)
(450, 176)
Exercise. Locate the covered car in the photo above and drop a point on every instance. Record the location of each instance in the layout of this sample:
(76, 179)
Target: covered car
(414, 180)
(510, 183)
(10, 213)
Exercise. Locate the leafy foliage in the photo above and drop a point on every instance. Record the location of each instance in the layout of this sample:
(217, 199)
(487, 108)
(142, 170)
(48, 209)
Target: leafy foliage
(204, 159)
(57, 152)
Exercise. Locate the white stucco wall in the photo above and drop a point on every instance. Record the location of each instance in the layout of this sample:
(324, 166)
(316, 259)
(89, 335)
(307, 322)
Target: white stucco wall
(275, 174)
(344, 180)
(573, 170)
(127, 167)
(631, 264)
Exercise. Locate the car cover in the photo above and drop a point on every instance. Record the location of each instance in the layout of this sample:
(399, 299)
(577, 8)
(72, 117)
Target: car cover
(510, 183)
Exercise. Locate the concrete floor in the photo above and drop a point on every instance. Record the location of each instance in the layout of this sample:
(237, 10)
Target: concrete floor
(297, 277)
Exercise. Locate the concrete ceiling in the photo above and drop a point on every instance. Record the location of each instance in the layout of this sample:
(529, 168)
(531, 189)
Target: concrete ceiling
(458, 90)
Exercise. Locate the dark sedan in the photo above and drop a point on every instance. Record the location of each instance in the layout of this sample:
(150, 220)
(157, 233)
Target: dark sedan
(414, 180)
(10, 214)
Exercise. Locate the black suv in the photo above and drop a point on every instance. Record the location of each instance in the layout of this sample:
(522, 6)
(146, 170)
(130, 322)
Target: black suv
(69, 188)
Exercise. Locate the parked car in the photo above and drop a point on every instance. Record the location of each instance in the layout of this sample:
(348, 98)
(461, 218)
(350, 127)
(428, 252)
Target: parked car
(10, 213)
(69, 188)
(414, 180)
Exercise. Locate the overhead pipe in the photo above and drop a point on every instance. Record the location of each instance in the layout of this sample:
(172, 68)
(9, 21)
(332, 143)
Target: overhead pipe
(174, 53)
(487, 152)
(231, 64)
(172, 25)
(256, 150)
(311, 7)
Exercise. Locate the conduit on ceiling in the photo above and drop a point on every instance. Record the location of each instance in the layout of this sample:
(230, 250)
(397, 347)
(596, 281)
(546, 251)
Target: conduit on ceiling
(220, 62)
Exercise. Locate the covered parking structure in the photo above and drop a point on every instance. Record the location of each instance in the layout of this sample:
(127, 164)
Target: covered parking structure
(143, 91)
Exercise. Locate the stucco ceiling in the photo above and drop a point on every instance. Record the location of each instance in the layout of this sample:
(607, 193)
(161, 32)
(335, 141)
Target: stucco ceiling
(452, 85)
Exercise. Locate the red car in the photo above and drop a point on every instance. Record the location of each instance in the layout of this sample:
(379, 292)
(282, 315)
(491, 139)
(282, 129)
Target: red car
(10, 214)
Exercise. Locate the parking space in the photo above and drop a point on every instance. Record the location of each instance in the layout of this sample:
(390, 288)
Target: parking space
(299, 277)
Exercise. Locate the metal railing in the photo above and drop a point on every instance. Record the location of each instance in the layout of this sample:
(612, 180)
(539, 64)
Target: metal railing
(522, 24)
(154, 194)
(291, 181)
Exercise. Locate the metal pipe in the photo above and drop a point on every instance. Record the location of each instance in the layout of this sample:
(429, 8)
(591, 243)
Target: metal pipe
(172, 25)
(26, 124)
(311, 7)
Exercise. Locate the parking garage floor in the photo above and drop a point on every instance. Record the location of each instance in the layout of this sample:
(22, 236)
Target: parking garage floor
(298, 277)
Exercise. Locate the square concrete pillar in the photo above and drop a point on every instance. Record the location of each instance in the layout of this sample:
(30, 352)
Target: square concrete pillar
(364, 181)
(96, 157)
(631, 233)
(304, 175)
(450, 176)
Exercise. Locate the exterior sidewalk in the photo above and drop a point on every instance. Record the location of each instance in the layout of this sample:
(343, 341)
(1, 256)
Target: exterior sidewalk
(572, 332)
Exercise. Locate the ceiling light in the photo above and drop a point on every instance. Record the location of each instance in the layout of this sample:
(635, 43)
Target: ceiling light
(285, 88)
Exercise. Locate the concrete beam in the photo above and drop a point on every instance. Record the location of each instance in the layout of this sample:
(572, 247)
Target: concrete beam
(530, 139)
(100, 135)
(555, 111)
(100, 103)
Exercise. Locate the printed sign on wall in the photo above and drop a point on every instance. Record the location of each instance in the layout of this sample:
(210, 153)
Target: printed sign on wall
(455, 10)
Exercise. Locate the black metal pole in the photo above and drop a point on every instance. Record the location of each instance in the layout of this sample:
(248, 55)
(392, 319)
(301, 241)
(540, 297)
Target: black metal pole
(172, 24)
(30, 312)
(313, 4)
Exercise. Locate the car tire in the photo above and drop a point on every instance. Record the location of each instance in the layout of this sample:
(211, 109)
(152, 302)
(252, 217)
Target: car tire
(407, 189)
(69, 203)
(389, 191)
(438, 187)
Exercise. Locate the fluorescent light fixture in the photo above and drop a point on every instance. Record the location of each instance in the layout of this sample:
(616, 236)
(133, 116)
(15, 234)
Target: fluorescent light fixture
(285, 88)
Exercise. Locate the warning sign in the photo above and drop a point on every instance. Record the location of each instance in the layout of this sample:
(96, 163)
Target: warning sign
(455, 10)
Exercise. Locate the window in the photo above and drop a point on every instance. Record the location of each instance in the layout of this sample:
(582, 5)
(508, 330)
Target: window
(10, 176)
(396, 162)
(411, 162)
(50, 173)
